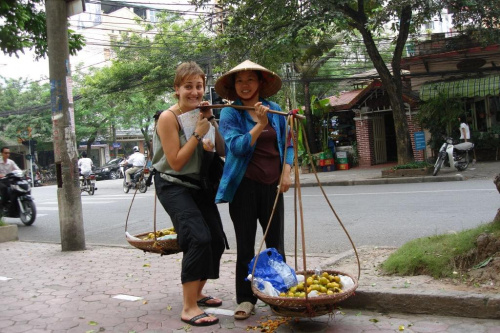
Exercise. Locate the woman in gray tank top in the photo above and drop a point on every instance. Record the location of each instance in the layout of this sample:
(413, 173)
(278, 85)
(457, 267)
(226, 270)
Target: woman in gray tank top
(177, 164)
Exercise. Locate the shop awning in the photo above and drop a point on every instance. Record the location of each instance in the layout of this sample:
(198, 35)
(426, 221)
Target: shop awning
(479, 87)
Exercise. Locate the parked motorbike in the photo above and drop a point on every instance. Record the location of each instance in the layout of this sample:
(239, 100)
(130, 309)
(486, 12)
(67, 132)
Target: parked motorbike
(456, 155)
(21, 204)
(87, 183)
(137, 180)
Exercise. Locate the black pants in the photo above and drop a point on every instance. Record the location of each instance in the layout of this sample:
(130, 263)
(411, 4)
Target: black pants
(199, 229)
(254, 202)
(4, 192)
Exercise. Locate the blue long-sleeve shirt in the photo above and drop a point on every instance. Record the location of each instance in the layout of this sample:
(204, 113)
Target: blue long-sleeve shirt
(235, 126)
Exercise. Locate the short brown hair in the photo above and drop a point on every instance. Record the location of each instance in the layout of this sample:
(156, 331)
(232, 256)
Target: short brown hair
(187, 70)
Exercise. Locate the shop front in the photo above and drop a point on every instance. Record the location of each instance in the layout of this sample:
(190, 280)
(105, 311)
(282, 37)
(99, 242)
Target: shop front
(363, 124)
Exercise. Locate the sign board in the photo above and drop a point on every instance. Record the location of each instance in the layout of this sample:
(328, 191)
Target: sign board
(75, 7)
(419, 140)
(116, 145)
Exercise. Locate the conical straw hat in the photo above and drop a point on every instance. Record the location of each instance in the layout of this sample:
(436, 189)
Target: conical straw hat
(225, 84)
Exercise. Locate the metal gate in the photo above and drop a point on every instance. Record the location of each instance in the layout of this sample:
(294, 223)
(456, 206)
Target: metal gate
(379, 143)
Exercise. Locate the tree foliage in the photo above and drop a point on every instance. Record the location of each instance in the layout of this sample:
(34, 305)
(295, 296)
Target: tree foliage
(440, 116)
(276, 30)
(19, 97)
(139, 81)
(24, 27)
(479, 18)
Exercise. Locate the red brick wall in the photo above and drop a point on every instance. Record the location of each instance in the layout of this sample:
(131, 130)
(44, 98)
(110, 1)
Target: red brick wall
(413, 127)
(364, 135)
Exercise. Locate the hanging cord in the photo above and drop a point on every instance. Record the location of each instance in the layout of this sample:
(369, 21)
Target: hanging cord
(291, 121)
(275, 200)
(328, 201)
(154, 213)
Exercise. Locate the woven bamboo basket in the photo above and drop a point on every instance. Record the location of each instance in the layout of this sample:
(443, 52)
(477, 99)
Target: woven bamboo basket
(306, 307)
(154, 245)
(163, 246)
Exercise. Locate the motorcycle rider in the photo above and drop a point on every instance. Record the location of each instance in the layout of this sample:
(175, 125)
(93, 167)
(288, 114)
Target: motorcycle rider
(464, 129)
(6, 166)
(85, 164)
(137, 160)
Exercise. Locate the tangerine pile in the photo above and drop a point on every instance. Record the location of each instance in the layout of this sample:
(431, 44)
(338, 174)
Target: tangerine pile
(160, 233)
(323, 284)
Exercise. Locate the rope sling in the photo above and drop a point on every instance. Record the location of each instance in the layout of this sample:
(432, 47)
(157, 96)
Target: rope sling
(303, 306)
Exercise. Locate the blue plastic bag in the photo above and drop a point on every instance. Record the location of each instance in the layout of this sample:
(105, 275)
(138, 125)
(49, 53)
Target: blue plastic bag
(271, 267)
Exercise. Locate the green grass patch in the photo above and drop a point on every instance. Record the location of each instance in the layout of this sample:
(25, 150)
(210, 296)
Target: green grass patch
(412, 165)
(435, 255)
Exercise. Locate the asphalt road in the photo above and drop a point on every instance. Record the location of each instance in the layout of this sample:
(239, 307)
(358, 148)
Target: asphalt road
(374, 215)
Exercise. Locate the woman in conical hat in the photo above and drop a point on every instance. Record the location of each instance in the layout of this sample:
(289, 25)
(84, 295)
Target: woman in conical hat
(255, 147)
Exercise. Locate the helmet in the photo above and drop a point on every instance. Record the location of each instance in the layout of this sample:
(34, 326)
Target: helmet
(135, 149)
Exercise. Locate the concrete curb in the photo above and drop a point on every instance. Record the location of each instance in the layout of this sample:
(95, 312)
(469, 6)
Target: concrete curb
(8, 233)
(442, 303)
(384, 181)
(457, 304)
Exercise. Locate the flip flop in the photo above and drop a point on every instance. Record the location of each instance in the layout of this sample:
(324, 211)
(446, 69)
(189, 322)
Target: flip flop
(243, 310)
(193, 320)
(204, 302)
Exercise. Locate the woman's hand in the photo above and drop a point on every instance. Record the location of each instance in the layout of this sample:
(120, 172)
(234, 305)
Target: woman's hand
(287, 180)
(261, 113)
(202, 126)
(206, 112)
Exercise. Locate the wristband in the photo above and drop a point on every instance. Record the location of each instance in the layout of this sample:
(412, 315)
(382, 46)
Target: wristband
(212, 117)
(197, 136)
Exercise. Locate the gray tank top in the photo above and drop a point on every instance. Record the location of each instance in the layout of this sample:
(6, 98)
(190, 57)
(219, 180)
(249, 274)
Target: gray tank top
(191, 169)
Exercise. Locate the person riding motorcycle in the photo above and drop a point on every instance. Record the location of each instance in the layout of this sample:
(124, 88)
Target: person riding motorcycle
(137, 160)
(6, 166)
(85, 164)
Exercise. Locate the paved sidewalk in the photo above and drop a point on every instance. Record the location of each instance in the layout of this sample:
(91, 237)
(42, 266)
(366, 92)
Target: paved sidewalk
(43, 289)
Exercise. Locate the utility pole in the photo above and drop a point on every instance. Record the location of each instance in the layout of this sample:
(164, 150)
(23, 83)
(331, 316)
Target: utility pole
(65, 152)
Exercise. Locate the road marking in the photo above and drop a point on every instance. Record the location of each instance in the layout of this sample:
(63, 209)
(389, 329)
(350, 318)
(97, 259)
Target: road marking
(402, 192)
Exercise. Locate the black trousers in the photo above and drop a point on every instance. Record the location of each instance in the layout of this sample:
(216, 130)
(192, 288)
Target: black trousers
(254, 202)
(4, 192)
(199, 229)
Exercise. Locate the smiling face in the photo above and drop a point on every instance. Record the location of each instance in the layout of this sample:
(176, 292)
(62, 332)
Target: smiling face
(246, 84)
(190, 92)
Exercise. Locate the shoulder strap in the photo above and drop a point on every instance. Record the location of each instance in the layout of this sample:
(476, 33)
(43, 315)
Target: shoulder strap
(178, 123)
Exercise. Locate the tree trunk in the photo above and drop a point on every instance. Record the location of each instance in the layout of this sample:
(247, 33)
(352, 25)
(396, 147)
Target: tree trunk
(496, 181)
(90, 141)
(311, 135)
(392, 82)
(403, 140)
(394, 87)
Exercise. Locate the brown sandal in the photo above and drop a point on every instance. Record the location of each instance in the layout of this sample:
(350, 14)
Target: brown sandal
(243, 310)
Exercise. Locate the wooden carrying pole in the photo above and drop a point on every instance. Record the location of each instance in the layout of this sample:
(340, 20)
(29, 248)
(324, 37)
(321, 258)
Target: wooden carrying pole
(251, 108)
